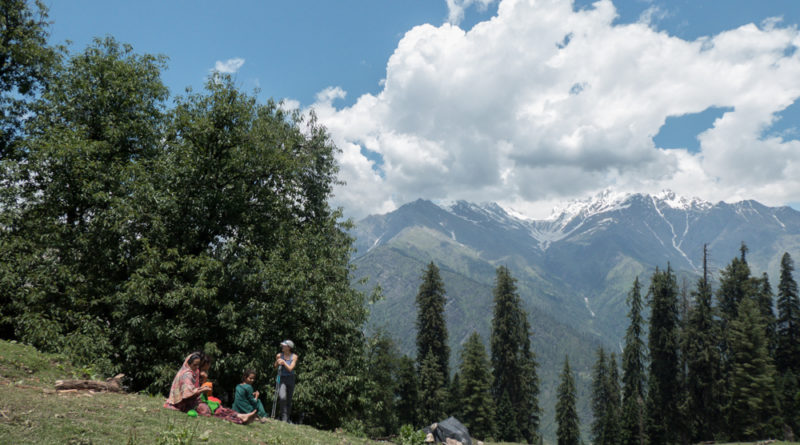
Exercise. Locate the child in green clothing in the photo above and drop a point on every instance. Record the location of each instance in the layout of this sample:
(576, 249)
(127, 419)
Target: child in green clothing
(245, 398)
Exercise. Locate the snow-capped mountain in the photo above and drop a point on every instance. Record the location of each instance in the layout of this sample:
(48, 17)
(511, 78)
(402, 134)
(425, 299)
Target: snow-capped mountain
(573, 269)
(585, 255)
(671, 227)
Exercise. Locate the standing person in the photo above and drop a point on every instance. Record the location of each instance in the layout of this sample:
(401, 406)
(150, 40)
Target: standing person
(285, 362)
(246, 399)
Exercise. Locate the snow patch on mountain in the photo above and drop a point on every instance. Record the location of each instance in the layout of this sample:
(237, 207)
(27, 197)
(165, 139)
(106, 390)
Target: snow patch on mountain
(573, 216)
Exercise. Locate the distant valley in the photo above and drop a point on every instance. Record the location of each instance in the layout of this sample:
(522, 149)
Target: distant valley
(574, 269)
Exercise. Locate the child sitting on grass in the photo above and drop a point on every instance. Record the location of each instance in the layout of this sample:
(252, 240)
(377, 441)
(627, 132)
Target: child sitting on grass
(246, 399)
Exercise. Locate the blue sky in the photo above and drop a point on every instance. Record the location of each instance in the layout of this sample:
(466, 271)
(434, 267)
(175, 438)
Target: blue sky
(430, 121)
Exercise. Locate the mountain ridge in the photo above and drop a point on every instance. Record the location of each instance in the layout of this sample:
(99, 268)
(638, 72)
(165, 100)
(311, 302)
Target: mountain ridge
(573, 269)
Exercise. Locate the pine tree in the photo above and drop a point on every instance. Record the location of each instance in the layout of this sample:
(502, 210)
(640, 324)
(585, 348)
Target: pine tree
(454, 404)
(764, 298)
(514, 364)
(703, 363)
(735, 285)
(432, 391)
(753, 401)
(788, 390)
(478, 409)
(605, 400)
(787, 353)
(407, 393)
(787, 356)
(613, 428)
(568, 430)
(633, 373)
(663, 422)
(431, 324)
(506, 423)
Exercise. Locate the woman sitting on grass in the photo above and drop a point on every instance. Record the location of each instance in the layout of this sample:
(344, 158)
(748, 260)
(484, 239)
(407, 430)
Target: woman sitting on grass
(246, 399)
(184, 394)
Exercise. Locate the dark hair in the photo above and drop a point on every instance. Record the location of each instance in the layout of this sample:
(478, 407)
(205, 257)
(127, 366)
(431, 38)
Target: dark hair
(197, 355)
(247, 373)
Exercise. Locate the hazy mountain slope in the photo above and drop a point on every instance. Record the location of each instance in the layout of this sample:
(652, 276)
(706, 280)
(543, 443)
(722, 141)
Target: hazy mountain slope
(574, 269)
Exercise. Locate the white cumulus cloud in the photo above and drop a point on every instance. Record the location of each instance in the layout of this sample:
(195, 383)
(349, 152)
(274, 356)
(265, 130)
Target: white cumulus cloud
(543, 103)
(229, 66)
(455, 8)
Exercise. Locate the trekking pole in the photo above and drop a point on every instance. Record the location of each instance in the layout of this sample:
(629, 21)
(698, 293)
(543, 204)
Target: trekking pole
(277, 388)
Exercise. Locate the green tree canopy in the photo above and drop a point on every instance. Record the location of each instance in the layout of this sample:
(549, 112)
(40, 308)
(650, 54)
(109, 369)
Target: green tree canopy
(26, 62)
(133, 234)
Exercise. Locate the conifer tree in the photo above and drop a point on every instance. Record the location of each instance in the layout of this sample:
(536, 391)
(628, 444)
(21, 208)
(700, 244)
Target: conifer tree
(454, 403)
(513, 362)
(764, 298)
(568, 430)
(407, 393)
(663, 421)
(788, 389)
(506, 424)
(432, 391)
(633, 373)
(614, 400)
(380, 382)
(605, 400)
(787, 356)
(735, 285)
(753, 401)
(703, 363)
(478, 409)
(431, 324)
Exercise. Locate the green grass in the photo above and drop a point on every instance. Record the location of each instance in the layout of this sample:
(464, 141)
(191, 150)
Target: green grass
(31, 412)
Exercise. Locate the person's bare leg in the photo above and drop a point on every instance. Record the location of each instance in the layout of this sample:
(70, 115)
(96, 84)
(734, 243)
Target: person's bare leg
(247, 418)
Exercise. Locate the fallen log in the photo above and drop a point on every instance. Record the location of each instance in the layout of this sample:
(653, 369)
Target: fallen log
(113, 384)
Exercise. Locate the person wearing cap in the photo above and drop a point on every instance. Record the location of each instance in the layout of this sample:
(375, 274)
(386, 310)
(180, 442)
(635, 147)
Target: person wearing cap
(285, 362)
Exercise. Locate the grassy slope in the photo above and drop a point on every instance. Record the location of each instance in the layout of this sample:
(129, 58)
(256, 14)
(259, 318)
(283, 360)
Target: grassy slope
(32, 412)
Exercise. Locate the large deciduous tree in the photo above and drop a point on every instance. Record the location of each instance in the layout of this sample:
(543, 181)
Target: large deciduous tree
(234, 229)
(132, 234)
(66, 252)
(26, 62)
